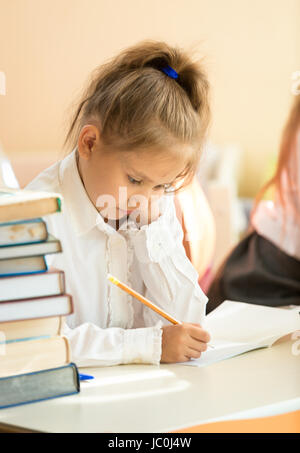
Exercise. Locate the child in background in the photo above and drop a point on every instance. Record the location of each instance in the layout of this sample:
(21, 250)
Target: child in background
(264, 268)
(136, 139)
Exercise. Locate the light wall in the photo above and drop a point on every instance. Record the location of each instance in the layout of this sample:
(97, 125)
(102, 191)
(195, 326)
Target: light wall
(49, 47)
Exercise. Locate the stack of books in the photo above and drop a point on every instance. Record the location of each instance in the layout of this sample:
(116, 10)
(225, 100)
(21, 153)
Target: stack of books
(35, 361)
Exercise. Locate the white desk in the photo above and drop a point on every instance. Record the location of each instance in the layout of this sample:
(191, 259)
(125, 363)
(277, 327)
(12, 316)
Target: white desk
(146, 398)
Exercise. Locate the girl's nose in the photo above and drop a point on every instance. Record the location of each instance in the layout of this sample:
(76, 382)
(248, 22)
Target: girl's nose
(142, 199)
(138, 201)
(140, 195)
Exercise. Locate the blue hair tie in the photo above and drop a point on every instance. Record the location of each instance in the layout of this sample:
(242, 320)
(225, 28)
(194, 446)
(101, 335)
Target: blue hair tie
(170, 72)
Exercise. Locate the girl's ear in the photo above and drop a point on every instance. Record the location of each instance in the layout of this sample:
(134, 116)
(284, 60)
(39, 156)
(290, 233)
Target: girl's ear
(88, 140)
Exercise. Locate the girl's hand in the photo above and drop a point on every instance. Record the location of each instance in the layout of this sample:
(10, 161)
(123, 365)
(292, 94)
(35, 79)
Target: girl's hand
(181, 342)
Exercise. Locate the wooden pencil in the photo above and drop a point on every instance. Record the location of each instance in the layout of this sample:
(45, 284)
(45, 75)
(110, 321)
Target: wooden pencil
(145, 301)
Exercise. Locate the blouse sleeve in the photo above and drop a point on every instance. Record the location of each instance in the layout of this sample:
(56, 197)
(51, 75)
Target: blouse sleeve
(170, 279)
(93, 346)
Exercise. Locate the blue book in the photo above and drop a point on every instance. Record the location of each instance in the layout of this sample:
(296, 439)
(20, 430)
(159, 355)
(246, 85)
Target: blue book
(23, 266)
(39, 385)
(22, 232)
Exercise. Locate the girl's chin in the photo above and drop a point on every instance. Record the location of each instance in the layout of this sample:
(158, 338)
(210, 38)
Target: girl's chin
(115, 215)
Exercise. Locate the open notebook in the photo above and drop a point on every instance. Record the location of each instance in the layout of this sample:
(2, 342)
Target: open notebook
(237, 327)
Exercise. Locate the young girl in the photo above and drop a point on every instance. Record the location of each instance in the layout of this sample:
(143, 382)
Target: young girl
(136, 139)
(265, 267)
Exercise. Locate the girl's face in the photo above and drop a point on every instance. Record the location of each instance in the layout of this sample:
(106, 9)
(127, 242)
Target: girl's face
(120, 182)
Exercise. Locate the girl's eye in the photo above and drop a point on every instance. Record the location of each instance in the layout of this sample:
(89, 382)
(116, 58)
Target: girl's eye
(166, 187)
(133, 181)
(163, 187)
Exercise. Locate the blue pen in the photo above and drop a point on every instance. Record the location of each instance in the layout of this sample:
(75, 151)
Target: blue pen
(85, 377)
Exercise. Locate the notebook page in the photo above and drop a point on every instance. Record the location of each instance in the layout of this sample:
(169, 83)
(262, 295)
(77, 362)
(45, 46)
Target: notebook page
(237, 327)
(249, 323)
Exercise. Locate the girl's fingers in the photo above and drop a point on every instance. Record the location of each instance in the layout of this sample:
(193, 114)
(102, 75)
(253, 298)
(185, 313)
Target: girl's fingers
(192, 353)
(199, 334)
(199, 346)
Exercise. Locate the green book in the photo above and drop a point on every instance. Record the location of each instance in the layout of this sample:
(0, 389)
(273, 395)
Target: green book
(21, 204)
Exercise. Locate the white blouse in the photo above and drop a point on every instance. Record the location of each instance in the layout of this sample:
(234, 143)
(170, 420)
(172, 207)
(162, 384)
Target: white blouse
(108, 326)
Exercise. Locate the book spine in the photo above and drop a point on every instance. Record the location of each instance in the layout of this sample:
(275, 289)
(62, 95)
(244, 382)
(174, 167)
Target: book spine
(32, 387)
(24, 273)
(34, 355)
(17, 222)
(8, 251)
(30, 328)
(33, 317)
(18, 340)
(14, 274)
(40, 229)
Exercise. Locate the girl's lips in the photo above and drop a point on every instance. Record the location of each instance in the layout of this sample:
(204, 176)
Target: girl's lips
(127, 211)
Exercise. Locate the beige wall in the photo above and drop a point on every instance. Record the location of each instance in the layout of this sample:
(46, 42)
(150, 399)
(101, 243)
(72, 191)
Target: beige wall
(49, 47)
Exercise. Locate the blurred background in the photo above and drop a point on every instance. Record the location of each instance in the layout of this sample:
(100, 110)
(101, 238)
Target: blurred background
(251, 51)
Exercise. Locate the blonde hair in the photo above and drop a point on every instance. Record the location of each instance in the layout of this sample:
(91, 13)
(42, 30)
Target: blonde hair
(136, 105)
